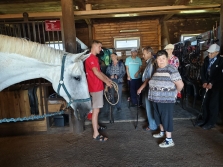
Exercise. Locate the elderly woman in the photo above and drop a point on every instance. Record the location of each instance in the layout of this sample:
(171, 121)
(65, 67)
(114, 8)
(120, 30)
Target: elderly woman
(116, 71)
(173, 60)
(163, 88)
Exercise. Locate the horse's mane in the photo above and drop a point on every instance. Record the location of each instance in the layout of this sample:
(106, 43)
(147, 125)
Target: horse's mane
(30, 49)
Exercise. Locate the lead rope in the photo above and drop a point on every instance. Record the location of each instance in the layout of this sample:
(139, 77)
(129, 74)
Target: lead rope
(32, 117)
(108, 95)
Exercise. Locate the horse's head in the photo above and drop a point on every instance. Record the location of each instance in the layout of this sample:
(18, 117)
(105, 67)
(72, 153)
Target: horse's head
(76, 84)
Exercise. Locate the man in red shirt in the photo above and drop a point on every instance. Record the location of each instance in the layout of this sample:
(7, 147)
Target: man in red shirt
(95, 79)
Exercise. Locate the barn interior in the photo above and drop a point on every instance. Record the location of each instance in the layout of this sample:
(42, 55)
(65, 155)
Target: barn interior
(71, 25)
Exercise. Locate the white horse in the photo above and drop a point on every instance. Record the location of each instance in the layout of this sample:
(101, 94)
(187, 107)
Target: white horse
(23, 60)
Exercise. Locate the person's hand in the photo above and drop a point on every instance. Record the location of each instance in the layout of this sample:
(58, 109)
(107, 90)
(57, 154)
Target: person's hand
(108, 83)
(209, 86)
(204, 85)
(139, 91)
(112, 77)
(128, 78)
(136, 75)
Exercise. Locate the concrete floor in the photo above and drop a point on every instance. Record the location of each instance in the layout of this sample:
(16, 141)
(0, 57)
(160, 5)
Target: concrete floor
(126, 146)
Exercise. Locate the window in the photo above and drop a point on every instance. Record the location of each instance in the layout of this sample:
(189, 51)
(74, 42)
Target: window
(185, 37)
(55, 44)
(126, 43)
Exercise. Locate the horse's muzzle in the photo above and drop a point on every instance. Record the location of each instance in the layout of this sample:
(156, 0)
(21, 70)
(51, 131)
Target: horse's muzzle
(81, 109)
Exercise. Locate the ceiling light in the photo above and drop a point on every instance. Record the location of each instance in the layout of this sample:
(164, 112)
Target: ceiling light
(193, 11)
(133, 30)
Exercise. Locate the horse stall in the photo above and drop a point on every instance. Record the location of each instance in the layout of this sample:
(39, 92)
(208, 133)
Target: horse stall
(33, 104)
(29, 102)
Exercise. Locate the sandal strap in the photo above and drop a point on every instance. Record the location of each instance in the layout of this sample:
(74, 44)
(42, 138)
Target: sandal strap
(100, 138)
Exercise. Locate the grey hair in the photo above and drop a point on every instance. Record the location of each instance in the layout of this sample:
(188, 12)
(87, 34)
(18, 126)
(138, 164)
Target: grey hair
(148, 49)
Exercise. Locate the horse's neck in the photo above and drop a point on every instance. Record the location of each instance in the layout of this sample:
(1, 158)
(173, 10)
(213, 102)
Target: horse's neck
(15, 68)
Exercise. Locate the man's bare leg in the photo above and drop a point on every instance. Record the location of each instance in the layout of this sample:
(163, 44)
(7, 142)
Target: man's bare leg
(95, 113)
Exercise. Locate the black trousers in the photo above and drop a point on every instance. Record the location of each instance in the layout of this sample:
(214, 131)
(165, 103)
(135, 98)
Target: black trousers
(211, 106)
(134, 86)
(163, 114)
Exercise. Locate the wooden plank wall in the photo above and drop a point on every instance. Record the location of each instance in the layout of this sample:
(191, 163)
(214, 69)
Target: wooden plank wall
(149, 32)
(189, 26)
(15, 104)
(82, 34)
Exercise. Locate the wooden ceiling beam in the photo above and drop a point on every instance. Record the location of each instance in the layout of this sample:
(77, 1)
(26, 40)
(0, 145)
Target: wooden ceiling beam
(146, 9)
(88, 21)
(80, 4)
(126, 12)
(177, 2)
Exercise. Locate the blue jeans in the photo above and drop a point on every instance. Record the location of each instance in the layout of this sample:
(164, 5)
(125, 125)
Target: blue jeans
(149, 111)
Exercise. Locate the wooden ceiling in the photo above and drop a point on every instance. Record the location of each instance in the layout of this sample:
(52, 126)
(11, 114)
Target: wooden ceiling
(9, 7)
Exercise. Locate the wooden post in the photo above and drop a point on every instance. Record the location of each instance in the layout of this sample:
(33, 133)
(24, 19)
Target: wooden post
(70, 46)
(89, 23)
(69, 26)
(221, 28)
(90, 34)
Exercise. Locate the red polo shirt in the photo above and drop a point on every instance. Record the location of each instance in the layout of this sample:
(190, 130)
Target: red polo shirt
(94, 83)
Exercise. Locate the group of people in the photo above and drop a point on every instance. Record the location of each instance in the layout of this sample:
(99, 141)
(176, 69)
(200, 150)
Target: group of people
(159, 84)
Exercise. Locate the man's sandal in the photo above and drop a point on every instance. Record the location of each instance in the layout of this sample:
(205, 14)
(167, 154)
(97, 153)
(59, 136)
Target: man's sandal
(100, 138)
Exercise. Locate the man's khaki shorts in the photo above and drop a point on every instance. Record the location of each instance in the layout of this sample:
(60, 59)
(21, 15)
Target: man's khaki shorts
(97, 99)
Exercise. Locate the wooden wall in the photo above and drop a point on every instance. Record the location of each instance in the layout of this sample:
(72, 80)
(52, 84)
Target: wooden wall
(177, 27)
(82, 34)
(15, 104)
(149, 32)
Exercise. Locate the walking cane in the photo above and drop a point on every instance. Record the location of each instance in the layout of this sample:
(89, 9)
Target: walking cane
(201, 113)
(137, 115)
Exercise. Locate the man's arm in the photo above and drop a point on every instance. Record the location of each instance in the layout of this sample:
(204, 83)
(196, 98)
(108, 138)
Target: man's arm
(138, 72)
(128, 74)
(143, 86)
(101, 76)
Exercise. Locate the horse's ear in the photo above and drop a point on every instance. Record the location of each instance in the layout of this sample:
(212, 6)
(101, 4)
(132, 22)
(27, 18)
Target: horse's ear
(80, 56)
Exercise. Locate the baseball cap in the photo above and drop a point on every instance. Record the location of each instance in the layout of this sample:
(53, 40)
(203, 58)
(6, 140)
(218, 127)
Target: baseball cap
(214, 48)
(134, 50)
(169, 46)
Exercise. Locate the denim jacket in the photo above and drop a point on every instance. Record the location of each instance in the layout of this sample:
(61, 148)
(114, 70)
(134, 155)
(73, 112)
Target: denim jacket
(121, 71)
(149, 70)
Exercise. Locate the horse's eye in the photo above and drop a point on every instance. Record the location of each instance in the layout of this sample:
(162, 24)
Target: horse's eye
(77, 78)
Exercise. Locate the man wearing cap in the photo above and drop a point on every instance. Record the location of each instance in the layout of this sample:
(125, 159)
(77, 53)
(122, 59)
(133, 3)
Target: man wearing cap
(173, 60)
(133, 70)
(212, 80)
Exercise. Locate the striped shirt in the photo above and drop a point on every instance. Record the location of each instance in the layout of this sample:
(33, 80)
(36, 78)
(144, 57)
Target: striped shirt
(162, 88)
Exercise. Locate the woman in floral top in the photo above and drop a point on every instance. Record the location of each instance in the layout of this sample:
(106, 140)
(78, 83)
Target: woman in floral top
(173, 60)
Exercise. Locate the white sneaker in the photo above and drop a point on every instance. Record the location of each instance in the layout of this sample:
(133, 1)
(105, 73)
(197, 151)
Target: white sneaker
(166, 144)
(158, 135)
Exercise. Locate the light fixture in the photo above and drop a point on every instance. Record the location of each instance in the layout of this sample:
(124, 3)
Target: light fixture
(132, 30)
(193, 11)
(202, 42)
